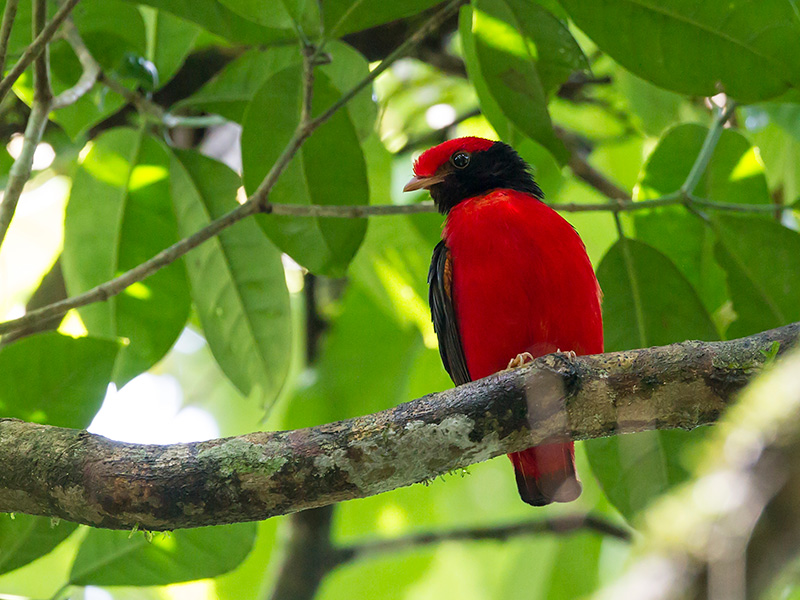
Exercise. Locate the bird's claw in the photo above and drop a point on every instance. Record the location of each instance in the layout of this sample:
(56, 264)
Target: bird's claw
(520, 360)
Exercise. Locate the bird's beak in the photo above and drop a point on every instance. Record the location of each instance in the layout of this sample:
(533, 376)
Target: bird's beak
(423, 183)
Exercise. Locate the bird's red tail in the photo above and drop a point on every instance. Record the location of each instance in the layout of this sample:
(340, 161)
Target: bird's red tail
(546, 474)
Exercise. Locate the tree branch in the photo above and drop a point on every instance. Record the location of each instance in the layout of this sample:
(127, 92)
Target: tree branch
(20, 171)
(89, 479)
(560, 525)
(36, 48)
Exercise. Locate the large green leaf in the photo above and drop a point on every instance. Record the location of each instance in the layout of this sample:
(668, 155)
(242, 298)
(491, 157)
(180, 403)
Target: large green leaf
(346, 16)
(762, 261)
(118, 558)
(507, 60)
(237, 279)
(24, 538)
(647, 302)
(120, 215)
(328, 169)
(55, 379)
(219, 19)
(749, 50)
(734, 174)
(546, 169)
(232, 89)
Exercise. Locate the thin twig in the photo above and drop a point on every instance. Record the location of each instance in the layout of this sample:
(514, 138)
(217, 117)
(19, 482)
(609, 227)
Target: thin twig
(91, 69)
(559, 525)
(20, 171)
(255, 203)
(36, 48)
(9, 14)
(162, 259)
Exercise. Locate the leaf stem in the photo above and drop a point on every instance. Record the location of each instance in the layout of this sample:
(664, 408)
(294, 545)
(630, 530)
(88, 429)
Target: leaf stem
(706, 151)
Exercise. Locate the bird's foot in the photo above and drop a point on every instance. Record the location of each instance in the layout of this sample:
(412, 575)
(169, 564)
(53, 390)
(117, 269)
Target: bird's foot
(520, 360)
(569, 354)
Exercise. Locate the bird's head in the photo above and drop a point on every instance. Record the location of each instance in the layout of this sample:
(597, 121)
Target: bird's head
(467, 167)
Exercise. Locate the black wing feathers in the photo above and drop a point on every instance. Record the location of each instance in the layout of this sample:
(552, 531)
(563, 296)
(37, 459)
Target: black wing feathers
(444, 316)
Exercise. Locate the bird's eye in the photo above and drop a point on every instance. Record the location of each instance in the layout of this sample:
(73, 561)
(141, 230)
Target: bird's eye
(460, 160)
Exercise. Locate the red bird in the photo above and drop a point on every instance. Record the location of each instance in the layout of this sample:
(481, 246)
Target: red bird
(509, 277)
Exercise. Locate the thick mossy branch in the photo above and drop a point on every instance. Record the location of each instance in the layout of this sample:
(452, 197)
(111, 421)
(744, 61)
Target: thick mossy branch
(87, 478)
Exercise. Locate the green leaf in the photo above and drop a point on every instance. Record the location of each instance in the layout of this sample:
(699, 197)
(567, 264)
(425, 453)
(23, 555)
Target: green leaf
(169, 41)
(341, 17)
(762, 261)
(232, 89)
(647, 302)
(734, 174)
(121, 190)
(119, 558)
(749, 50)
(58, 380)
(507, 61)
(641, 309)
(24, 538)
(219, 19)
(237, 279)
(328, 169)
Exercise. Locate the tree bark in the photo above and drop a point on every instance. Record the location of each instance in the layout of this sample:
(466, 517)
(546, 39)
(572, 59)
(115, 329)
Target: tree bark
(89, 479)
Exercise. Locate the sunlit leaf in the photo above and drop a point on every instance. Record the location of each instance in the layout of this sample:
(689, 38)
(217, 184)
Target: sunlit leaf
(120, 190)
(25, 538)
(57, 379)
(749, 50)
(109, 557)
(328, 169)
(237, 279)
(647, 302)
(507, 61)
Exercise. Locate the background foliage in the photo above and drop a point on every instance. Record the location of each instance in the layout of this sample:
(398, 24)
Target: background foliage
(303, 320)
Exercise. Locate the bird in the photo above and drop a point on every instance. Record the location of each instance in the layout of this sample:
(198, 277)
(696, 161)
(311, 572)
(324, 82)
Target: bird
(509, 281)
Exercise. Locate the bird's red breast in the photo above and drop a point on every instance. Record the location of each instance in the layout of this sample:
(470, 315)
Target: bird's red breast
(522, 281)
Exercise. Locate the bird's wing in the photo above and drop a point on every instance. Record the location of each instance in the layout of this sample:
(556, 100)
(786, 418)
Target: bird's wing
(440, 280)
